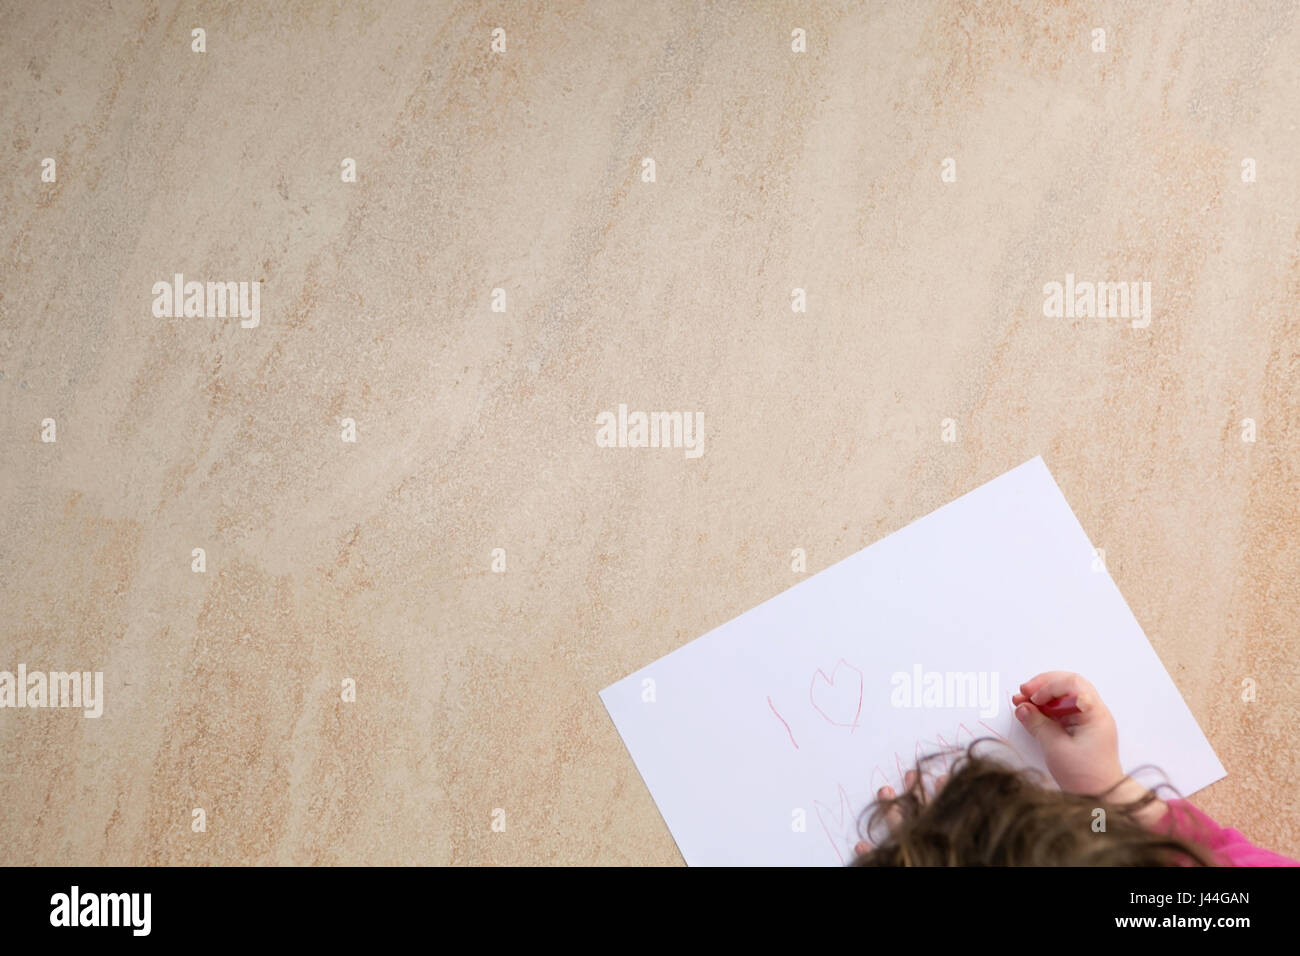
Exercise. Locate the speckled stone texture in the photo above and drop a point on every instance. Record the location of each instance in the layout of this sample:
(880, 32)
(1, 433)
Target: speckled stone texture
(371, 560)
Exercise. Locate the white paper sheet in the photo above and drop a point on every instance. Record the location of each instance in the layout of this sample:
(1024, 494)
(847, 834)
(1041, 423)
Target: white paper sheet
(791, 706)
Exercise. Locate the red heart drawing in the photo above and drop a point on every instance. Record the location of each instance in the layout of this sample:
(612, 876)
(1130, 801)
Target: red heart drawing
(841, 696)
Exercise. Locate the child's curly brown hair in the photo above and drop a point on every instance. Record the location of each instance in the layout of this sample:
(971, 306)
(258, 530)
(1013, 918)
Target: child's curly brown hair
(988, 813)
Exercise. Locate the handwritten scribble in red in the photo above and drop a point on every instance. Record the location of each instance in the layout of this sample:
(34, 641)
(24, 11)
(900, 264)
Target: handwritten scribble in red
(1000, 736)
(847, 697)
(878, 780)
(783, 723)
(845, 808)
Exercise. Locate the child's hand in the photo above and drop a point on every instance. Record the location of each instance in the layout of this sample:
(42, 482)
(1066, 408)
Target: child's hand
(894, 817)
(1082, 749)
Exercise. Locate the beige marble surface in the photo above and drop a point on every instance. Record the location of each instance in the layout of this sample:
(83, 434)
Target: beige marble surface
(371, 560)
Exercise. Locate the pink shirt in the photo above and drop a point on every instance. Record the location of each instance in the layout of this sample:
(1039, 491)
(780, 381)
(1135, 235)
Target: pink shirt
(1228, 845)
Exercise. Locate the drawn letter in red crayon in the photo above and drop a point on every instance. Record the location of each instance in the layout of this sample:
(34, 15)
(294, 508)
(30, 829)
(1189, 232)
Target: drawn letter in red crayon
(783, 723)
(844, 814)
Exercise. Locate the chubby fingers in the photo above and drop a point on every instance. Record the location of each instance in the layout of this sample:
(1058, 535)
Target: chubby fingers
(1056, 683)
(894, 815)
(1039, 725)
(1053, 684)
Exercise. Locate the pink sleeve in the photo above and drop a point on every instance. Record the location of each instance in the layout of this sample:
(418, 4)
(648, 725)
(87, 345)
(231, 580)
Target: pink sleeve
(1229, 845)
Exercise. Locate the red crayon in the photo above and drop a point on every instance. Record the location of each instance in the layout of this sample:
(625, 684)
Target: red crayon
(1059, 707)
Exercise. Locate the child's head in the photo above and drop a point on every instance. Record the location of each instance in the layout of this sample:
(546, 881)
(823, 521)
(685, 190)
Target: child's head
(987, 813)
